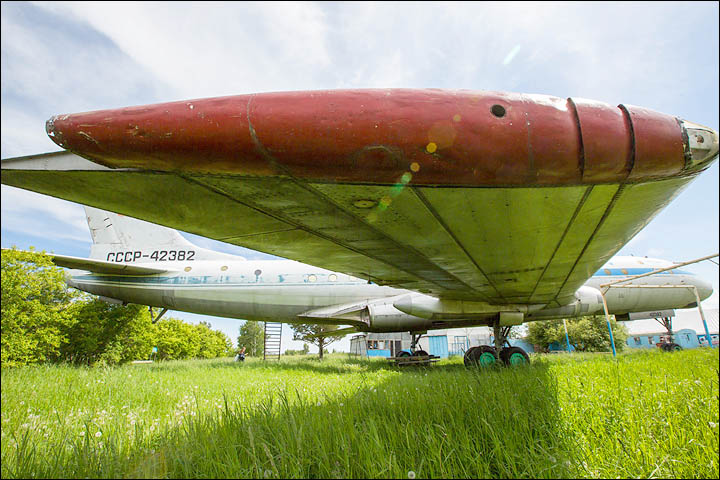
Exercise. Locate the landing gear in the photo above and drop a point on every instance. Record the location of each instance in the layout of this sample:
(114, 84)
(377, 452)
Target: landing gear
(501, 354)
(513, 356)
(666, 343)
(482, 356)
(670, 347)
(415, 338)
(419, 353)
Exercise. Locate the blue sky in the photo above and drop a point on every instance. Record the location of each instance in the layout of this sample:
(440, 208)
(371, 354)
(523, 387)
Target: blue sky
(66, 58)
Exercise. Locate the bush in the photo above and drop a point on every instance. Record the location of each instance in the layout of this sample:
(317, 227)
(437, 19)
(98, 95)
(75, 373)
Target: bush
(586, 334)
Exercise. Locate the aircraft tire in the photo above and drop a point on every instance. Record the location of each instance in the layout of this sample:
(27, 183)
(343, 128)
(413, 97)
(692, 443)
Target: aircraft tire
(514, 356)
(482, 356)
(419, 353)
(470, 357)
(674, 347)
(403, 353)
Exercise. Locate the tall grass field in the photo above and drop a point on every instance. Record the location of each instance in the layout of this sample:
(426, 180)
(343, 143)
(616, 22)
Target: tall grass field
(646, 414)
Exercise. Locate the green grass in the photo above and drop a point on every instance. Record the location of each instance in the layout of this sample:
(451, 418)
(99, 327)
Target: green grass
(648, 414)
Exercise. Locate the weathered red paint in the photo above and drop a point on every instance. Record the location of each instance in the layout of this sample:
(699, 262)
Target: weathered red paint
(374, 136)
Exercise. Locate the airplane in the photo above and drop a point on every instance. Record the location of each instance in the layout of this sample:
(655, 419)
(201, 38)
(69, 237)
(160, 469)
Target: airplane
(409, 209)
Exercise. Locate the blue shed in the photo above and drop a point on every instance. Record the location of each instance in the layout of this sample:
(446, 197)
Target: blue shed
(438, 345)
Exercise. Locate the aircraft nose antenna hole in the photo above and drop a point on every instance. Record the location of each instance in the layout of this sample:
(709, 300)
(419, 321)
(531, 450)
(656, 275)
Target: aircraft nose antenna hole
(498, 110)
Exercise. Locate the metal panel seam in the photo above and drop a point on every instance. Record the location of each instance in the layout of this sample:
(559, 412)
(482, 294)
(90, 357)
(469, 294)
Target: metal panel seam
(630, 163)
(619, 191)
(303, 228)
(380, 233)
(581, 162)
(442, 223)
(582, 201)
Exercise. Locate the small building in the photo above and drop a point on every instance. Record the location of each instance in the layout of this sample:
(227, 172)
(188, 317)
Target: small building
(380, 344)
(687, 325)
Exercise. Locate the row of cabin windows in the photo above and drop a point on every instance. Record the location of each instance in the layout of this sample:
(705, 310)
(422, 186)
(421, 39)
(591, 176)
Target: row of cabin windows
(311, 278)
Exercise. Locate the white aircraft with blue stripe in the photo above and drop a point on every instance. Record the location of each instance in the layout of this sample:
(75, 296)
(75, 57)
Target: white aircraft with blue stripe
(134, 261)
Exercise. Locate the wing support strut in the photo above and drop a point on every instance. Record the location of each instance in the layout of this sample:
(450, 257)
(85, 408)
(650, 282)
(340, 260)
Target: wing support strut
(154, 321)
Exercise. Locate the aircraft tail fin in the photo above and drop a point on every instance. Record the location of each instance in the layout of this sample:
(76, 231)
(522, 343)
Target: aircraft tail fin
(121, 239)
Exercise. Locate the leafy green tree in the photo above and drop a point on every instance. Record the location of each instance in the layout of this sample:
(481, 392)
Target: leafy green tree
(173, 339)
(320, 335)
(35, 308)
(108, 333)
(252, 337)
(586, 334)
(212, 343)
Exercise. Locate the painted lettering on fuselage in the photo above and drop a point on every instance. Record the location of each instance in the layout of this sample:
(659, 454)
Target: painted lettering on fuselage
(155, 255)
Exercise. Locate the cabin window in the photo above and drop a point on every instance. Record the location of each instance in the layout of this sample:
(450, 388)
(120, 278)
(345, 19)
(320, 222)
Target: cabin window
(258, 272)
(187, 269)
(637, 341)
(332, 277)
(312, 278)
(607, 271)
(624, 271)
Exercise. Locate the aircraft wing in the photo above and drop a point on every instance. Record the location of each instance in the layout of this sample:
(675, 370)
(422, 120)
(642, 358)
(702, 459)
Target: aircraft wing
(101, 266)
(485, 196)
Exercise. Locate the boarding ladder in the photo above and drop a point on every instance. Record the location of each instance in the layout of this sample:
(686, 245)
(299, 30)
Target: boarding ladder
(273, 335)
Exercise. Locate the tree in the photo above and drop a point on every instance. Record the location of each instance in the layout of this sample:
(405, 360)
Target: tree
(586, 334)
(320, 335)
(252, 337)
(35, 308)
(108, 333)
(174, 339)
(212, 343)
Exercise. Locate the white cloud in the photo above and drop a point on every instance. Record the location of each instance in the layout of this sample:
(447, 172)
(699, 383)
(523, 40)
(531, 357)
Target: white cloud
(207, 49)
(27, 212)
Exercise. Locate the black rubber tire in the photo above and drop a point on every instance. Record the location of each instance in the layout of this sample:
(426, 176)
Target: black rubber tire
(674, 347)
(471, 356)
(403, 353)
(419, 353)
(507, 353)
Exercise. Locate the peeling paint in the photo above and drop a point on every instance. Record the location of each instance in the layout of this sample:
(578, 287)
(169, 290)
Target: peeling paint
(85, 135)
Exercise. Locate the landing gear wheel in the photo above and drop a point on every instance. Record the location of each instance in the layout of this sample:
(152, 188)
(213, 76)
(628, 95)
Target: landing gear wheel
(419, 353)
(671, 347)
(488, 356)
(514, 356)
(482, 356)
(470, 357)
(403, 353)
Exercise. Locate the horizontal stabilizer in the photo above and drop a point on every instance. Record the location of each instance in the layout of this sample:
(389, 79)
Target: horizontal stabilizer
(101, 266)
(334, 333)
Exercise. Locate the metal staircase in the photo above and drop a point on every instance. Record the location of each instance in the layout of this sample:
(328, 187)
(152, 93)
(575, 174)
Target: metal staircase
(273, 335)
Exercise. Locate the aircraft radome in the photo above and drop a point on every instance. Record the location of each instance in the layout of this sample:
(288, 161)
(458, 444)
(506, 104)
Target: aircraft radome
(410, 209)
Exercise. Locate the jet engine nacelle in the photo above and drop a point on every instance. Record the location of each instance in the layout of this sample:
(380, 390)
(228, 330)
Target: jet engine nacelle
(588, 301)
(383, 316)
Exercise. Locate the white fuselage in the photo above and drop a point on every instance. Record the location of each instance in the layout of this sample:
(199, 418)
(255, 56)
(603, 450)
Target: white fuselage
(280, 290)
